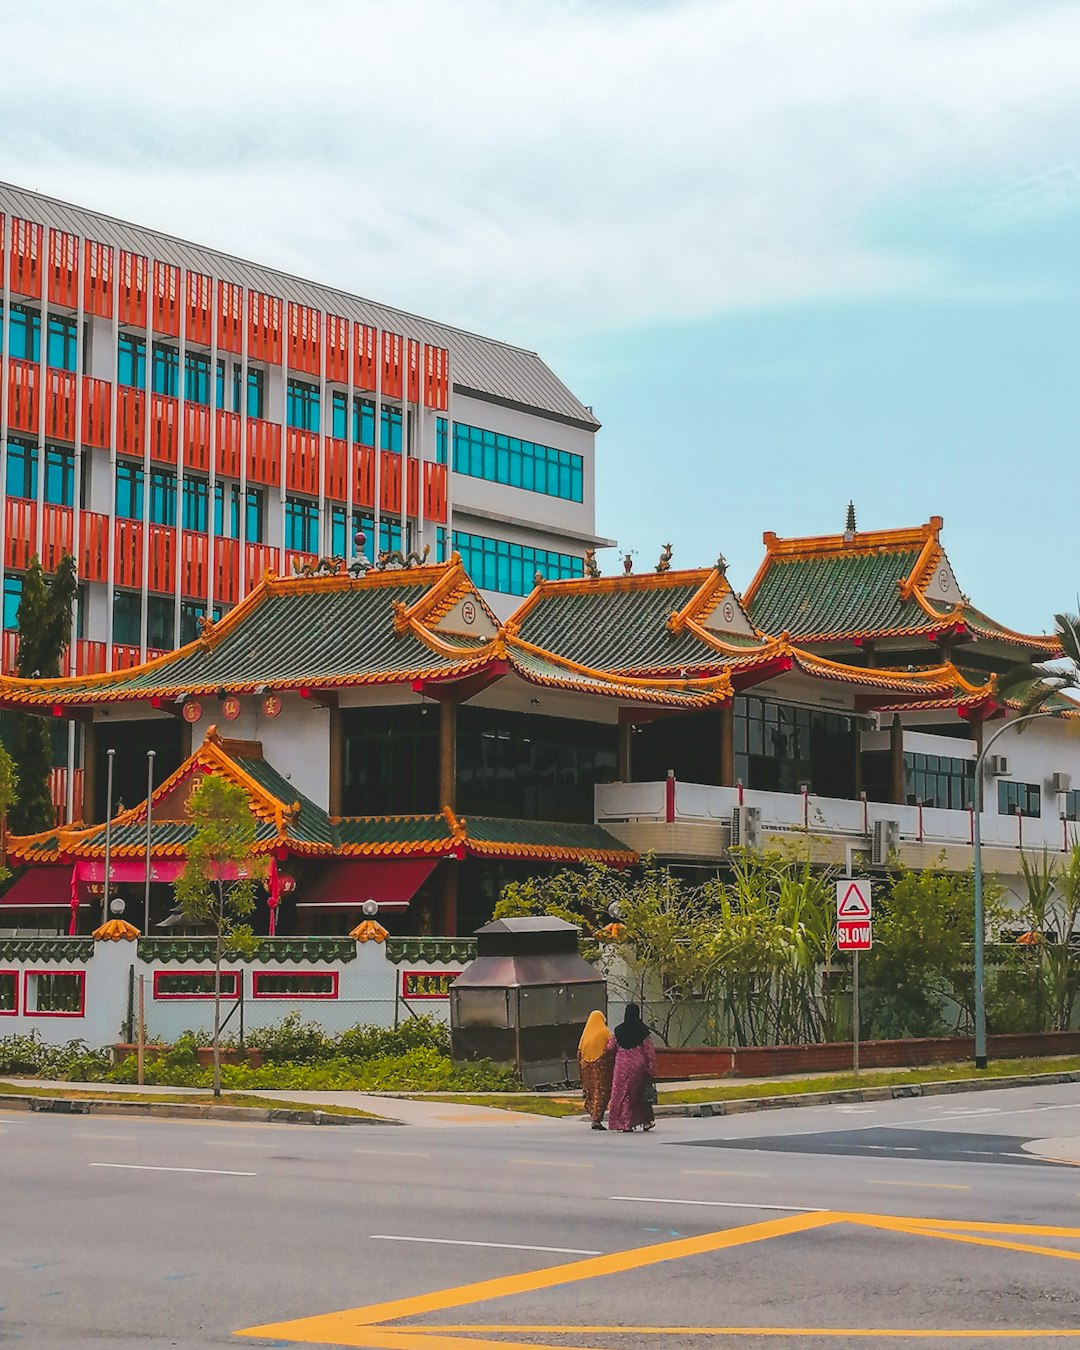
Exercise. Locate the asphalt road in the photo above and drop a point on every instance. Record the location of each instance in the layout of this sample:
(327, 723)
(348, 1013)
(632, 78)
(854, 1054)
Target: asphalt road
(760, 1230)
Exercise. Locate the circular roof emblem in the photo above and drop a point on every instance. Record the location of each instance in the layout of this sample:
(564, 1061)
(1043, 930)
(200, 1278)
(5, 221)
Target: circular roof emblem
(728, 612)
(468, 612)
(271, 705)
(943, 579)
(192, 710)
(230, 708)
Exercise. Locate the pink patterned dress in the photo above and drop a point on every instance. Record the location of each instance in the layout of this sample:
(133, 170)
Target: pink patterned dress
(633, 1069)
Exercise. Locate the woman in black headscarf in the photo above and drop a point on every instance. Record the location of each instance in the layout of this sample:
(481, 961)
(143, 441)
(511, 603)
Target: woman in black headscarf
(635, 1066)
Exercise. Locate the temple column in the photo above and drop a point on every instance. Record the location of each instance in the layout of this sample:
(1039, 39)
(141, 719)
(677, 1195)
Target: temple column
(896, 760)
(727, 745)
(447, 755)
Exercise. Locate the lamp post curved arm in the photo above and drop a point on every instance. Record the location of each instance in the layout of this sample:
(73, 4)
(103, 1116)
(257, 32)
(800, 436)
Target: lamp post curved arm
(980, 968)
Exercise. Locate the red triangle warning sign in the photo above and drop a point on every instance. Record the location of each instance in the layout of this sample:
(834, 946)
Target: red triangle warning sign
(852, 899)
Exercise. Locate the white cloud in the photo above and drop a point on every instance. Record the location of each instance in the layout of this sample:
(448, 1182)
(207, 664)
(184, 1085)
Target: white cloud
(527, 169)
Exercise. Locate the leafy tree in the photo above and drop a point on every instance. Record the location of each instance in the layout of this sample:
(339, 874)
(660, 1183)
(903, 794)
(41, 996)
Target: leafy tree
(1038, 684)
(44, 622)
(9, 786)
(217, 886)
(1045, 957)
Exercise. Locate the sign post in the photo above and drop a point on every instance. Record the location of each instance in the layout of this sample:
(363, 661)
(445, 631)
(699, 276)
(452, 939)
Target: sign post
(855, 934)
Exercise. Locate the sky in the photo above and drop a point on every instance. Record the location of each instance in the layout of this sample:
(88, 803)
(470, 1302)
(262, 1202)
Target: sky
(792, 252)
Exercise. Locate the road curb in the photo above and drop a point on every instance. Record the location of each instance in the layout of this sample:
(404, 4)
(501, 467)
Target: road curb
(890, 1092)
(278, 1115)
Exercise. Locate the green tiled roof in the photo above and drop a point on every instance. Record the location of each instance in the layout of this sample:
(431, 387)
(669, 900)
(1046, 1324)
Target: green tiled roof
(311, 823)
(387, 830)
(535, 666)
(542, 834)
(836, 593)
(166, 949)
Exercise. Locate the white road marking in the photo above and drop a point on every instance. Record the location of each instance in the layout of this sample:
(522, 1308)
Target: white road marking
(145, 1167)
(719, 1204)
(503, 1246)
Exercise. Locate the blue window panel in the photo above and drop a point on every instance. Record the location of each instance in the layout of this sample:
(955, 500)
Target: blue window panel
(127, 617)
(22, 465)
(496, 565)
(63, 353)
(254, 517)
(160, 621)
(339, 416)
(391, 429)
(25, 333)
(131, 361)
(256, 394)
(499, 458)
(195, 506)
(59, 476)
(441, 441)
(190, 614)
(162, 498)
(166, 373)
(197, 378)
(389, 533)
(301, 525)
(129, 490)
(302, 405)
(13, 587)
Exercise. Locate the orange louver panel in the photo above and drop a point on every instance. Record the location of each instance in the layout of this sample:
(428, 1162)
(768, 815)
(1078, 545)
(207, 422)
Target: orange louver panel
(305, 347)
(412, 495)
(57, 526)
(26, 239)
(198, 322)
(63, 269)
(98, 280)
(226, 570)
(364, 486)
(128, 557)
(390, 482)
(165, 316)
(162, 559)
(60, 405)
(228, 444)
(133, 270)
(164, 417)
(391, 364)
(9, 651)
(96, 410)
(230, 316)
(258, 560)
(194, 554)
(264, 336)
(435, 493)
(365, 356)
(337, 349)
(196, 436)
(302, 467)
(436, 377)
(89, 657)
(23, 402)
(412, 370)
(124, 656)
(337, 470)
(263, 451)
(294, 560)
(93, 546)
(129, 420)
(21, 524)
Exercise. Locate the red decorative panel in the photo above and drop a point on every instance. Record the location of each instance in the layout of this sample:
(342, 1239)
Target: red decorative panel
(412, 370)
(337, 349)
(435, 493)
(337, 470)
(302, 461)
(364, 486)
(63, 269)
(390, 482)
(133, 269)
(194, 554)
(128, 556)
(258, 560)
(436, 377)
(391, 364)
(96, 412)
(98, 280)
(264, 451)
(365, 356)
(93, 546)
(129, 420)
(60, 404)
(57, 526)
(89, 657)
(125, 656)
(196, 436)
(230, 316)
(166, 292)
(23, 402)
(162, 559)
(26, 238)
(294, 560)
(226, 570)
(228, 444)
(305, 346)
(21, 529)
(264, 337)
(198, 301)
(164, 428)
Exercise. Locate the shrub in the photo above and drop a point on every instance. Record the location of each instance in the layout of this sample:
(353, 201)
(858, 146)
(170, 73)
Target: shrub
(29, 1055)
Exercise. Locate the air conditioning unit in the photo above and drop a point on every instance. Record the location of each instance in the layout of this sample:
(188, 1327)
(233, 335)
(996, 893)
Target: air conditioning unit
(1061, 782)
(746, 827)
(997, 766)
(885, 841)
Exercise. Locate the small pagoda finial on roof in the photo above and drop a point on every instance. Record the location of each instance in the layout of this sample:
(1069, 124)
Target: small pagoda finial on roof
(849, 523)
(721, 564)
(592, 569)
(664, 565)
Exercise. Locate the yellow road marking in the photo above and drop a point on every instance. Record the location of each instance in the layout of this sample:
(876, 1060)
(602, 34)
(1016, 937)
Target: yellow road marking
(923, 1185)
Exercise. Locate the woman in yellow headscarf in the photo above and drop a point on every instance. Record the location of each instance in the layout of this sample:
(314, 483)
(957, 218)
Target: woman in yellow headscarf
(595, 1063)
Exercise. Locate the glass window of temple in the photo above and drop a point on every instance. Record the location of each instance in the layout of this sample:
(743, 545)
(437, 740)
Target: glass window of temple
(940, 781)
(391, 760)
(779, 747)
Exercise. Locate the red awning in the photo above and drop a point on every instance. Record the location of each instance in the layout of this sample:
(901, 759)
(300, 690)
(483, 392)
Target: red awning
(347, 884)
(40, 888)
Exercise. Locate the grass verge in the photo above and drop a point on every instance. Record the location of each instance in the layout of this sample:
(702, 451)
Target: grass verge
(536, 1106)
(180, 1099)
(734, 1090)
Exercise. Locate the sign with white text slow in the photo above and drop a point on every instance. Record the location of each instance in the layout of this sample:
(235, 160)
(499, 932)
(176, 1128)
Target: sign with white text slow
(854, 916)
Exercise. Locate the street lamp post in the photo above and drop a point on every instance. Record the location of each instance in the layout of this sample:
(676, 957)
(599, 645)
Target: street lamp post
(108, 836)
(980, 972)
(149, 815)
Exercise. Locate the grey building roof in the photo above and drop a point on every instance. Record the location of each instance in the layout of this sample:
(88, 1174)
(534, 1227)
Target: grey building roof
(478, 365)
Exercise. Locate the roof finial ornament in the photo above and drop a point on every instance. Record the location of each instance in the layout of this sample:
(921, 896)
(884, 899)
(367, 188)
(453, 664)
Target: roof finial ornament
(849, 523)
(721, 564)
(664, 565)
(628, 562)
(592, 570)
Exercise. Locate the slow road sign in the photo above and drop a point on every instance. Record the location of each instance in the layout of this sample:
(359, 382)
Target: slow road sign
(854, 935)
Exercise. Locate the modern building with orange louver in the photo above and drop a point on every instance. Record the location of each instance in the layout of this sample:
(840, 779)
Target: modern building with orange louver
(399, 743)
